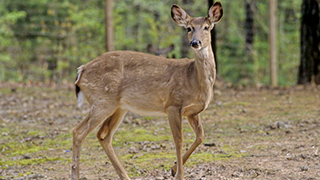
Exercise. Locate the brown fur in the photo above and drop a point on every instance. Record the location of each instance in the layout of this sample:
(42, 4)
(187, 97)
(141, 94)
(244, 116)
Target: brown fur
(121, 81)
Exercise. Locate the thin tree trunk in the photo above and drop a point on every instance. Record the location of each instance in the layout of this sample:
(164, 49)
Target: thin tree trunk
(249, 29)
(317, 58)
(109, 26)
(249, 70)
(273, 41)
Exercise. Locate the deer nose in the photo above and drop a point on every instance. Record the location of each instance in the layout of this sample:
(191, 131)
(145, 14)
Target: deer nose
(195, 43)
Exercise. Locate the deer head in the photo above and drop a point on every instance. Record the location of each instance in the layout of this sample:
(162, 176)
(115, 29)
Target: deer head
(198, 28)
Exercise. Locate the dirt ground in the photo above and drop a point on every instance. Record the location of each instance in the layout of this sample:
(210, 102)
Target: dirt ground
(249, 134)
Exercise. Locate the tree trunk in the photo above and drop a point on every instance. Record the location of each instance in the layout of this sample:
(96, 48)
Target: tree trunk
(310, 32)
(109, 26)
(249, 30)
(273, 41)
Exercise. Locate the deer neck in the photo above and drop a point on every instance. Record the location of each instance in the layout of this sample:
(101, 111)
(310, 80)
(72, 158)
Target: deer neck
(205, 66)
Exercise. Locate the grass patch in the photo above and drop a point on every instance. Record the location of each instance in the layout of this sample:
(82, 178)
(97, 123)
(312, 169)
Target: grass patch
(5, 91)
(12, 152)
(18, 148)
(153, 156)
(207, 157)
(236, 103)
(139, 135)
(35, 133)
(148, 161)
(14, 148)
(63, 140)
(4, 164)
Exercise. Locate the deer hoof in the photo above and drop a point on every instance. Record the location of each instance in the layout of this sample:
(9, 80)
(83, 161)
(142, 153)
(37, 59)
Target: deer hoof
(173, 173)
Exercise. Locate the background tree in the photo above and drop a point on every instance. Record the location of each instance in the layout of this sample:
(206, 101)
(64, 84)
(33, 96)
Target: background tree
(273, 42)
(309, 69)
(249, 39)
(39, 35)
(249, 28)
(109, 25)
(48, 39)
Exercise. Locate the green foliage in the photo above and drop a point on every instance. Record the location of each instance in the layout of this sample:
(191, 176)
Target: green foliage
(42, 40)
(232, 59)
(7, 39)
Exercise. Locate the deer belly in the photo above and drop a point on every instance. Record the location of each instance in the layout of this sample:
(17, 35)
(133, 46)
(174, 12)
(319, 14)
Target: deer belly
(143, 109)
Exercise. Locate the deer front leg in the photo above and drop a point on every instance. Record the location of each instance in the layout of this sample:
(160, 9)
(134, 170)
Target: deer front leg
(196, 125)
(175, 121)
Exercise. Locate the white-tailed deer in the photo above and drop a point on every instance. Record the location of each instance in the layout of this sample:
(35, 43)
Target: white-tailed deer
(160, 51)
(121, 81)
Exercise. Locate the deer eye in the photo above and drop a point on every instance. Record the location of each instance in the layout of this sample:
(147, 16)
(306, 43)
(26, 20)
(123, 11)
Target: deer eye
(189, 29)
(206, 28)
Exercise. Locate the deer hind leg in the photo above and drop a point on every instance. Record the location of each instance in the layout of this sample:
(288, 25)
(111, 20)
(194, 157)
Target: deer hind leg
(196, 125)
(81, 131)
(105, 135)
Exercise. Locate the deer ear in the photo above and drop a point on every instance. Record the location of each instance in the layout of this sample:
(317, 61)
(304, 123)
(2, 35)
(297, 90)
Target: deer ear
(180, 16)
(215, 13)
(150, 48)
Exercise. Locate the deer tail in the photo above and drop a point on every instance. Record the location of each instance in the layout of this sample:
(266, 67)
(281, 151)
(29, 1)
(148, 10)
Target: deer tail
(79, 93)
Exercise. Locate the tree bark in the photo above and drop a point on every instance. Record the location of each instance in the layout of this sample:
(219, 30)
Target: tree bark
(249, 29)
(310, 39)
(109, 26)
(273, 41)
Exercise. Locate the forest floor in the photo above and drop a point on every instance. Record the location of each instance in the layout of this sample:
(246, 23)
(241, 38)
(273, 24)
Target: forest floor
(249, 134)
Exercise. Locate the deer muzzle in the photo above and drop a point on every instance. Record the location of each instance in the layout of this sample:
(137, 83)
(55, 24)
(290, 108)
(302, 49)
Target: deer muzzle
(195, 44)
